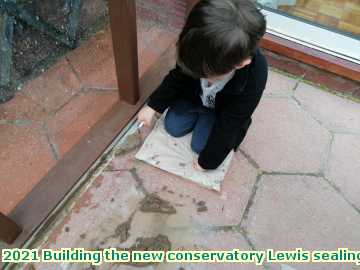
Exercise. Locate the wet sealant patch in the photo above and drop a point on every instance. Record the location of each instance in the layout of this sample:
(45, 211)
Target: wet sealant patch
(154, 204)
(130, 143)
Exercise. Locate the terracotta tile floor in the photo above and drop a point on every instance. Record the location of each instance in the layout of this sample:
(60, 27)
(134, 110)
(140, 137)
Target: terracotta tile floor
(52, 112)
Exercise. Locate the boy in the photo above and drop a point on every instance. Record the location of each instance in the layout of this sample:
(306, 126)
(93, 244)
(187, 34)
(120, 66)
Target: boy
(218, 80)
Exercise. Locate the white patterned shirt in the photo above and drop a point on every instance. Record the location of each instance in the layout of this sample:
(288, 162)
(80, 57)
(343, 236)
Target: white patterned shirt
(208, 93)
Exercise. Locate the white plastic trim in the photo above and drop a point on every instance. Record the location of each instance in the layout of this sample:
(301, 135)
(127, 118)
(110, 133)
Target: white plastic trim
(313, 36)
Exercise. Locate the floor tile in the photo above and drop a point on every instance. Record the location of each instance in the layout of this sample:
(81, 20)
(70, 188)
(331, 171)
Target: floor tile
(198, 206)
(284, 138)
(279, 85)
(292, 212)
(343, 170)
(78, 116)
(54, 88)
(22, 107)
(336, 113)
(21, 172)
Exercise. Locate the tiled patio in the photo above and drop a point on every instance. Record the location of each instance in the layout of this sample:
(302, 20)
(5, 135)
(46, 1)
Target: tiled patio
(294, 183)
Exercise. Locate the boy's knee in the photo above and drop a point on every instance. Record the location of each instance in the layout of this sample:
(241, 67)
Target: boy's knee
(173, 130)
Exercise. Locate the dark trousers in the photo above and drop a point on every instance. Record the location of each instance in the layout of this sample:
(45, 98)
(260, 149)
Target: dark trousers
(184, 117)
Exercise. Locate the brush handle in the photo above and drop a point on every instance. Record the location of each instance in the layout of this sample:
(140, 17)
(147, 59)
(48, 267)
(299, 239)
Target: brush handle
(141, 125)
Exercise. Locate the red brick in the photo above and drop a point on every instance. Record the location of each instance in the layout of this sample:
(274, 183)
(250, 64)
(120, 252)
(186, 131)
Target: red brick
(330, 80)
(53, 88)
(76, 118)
(284, 64)
(25, 158)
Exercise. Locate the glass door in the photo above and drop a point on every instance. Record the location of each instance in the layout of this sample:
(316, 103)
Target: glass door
(331, 26)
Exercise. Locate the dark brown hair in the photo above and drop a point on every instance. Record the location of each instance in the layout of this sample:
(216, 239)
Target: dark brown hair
(218, 35)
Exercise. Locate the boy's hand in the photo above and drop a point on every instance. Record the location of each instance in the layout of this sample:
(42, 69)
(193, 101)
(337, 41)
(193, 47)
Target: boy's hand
(197, 166)
(146, 116)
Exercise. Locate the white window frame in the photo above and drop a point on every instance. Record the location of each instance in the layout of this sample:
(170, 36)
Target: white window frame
(313, 36)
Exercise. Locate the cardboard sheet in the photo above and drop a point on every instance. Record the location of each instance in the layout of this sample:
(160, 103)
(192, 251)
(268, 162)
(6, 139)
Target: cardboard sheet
(175, 156)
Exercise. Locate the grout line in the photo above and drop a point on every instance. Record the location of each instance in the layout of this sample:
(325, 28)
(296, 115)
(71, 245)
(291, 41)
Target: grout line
(235, 229)
(86, 88)
(223, 228)
(338, 190)
(324, 125)
(320, 86)
(296, 86)
(326, 158)
(53, 113)
(346, 132)
(76, 74)
(245, 234)
(251, 199)
(250, 159)
(139, 181)
(319, 174)
(115, 170)
(300, 106)
(16, 122)
(53, 147)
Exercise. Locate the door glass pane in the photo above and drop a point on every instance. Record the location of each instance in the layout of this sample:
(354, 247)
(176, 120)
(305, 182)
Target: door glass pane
(338, 15)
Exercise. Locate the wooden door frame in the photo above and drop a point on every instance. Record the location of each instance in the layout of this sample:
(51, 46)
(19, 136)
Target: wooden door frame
(124, 36)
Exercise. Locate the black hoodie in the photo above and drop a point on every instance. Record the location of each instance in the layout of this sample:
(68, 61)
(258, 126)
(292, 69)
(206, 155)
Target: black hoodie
(234, 105)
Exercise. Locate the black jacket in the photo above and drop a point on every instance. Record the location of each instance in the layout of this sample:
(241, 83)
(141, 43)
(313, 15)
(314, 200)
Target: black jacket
(234, 105)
